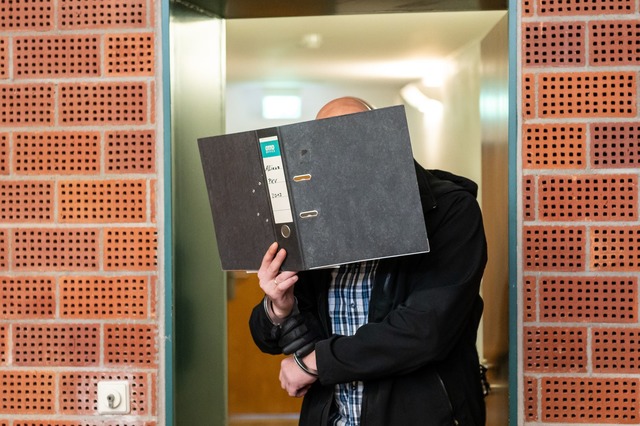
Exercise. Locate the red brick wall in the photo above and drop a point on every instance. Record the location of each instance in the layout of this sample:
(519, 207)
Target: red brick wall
(78, 229)
(580, 257)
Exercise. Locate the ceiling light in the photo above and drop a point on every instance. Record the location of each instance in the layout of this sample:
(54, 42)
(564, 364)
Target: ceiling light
(436, 72)
(311, 41)
(276, 107)
(416, 98)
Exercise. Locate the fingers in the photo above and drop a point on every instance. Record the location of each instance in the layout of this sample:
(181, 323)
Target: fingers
(277, 286)
(271, 279)
(271, 262)
(273, 259)
(288, 383)
(285, 280)
(302, 392)
(267, 259)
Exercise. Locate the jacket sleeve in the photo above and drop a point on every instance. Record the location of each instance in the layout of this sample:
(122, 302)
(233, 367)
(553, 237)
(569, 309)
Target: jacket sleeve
(263, 330)
(310, 285)
(441, 289)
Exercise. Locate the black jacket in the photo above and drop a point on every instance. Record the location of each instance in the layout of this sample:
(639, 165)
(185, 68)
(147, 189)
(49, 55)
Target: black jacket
(416, 355)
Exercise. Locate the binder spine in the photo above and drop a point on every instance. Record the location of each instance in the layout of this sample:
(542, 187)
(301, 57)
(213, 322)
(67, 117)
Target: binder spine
(277, 186)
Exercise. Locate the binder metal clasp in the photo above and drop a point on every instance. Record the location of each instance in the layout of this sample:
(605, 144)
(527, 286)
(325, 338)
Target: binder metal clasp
(308, 214)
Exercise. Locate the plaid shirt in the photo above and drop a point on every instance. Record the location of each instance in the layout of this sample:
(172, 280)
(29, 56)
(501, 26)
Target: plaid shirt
(349, 309)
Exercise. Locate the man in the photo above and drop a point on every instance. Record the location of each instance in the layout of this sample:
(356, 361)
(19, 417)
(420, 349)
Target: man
(389, 342)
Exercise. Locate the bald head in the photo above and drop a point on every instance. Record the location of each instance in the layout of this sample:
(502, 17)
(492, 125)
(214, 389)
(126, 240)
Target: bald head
(343, 106)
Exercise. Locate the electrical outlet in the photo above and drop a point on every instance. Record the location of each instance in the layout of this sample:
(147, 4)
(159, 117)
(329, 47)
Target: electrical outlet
(113, 397)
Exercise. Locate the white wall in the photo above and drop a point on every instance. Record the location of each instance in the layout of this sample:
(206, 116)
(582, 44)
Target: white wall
(449, 140)
(244, 101)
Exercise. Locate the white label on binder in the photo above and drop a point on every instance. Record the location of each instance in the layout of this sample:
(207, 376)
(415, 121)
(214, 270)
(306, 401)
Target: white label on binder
(276, 181)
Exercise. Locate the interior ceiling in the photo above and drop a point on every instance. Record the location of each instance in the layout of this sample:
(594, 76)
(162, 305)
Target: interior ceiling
(389, 48)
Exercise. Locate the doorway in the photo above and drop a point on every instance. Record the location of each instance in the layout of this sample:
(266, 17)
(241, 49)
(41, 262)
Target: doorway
(197, 30)
(320, 58)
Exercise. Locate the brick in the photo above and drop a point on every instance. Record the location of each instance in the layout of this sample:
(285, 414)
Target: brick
(555, 349)
(103, 103)
(27, 15)
(102, 201)
(554, 146)
(152, 101)
(614, 43)
(588, 197)
(528, 96)
(75, 14)
(56, 345)
(78, 391)
(589, 400)
(153, 298)
(526, 8)
(528, 197)
(130, 151)
(26, 105)
(4, 250)
(56, 153)
(614, 248)
(531, 398)
(26, 201)
(4, 344)
(55, 249)
(587, 94)
(4, 153)
(64, 56)
(529, 311)
(27, 392)
(615, 145)
(151, 5)
(131, 249)
(4, 57)
(581, 7)
(588, 299)
(554, 248)
(130, 54)
(131, 345)
(153, 200)
(27, 297)
(154, 398)
(124, 297)
(553, 44)
(615, 350)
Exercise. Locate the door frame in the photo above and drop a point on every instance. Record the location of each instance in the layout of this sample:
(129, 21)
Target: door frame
(168, 246)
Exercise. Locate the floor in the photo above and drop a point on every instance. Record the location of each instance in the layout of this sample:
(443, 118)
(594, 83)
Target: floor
(266, 421)
(497, 413)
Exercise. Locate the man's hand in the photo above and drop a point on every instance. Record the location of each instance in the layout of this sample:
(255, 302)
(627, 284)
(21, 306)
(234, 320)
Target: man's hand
(293, 380)
(278, 286)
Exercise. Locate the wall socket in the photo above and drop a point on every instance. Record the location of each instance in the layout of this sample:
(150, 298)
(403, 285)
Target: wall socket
(113, 397)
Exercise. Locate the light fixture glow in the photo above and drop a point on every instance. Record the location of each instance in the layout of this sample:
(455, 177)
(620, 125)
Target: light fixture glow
(419, 100)
(436, 72)
(311, 41)
(275, 107)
